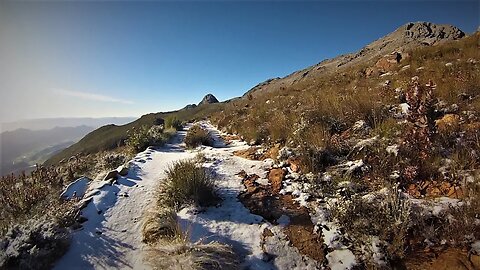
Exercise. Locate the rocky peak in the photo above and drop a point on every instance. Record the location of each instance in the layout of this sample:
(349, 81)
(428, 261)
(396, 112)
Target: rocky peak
(208, 99)
(429, 33)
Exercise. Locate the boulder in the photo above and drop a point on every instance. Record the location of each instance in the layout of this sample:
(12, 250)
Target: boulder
(112, 175)
(454, 259)
(295, 164)
(275, 176)
(122, 170)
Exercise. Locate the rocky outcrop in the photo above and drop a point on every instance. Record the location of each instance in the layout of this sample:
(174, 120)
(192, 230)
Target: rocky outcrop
(208, 99)
(392, 47)
(190, 106)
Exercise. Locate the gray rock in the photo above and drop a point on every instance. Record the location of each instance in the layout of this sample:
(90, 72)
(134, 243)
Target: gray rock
(208, 99)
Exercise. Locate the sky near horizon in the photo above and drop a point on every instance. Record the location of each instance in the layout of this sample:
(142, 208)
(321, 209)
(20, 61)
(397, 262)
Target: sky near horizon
(98, 59)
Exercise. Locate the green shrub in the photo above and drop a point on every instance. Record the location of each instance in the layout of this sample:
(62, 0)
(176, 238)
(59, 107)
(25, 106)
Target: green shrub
(186, 183)
(196, 136)
(139, 139)
(173, 122)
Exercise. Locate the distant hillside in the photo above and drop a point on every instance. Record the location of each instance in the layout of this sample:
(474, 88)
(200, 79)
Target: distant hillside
(49, 123)
(23, 147)
(111, 136)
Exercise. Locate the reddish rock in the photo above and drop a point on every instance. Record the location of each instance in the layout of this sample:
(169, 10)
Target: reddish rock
(455, 192)
(275, 176)
(452, 259)
(250, 153)
(295, 163)
(250, 184)
(242, 174)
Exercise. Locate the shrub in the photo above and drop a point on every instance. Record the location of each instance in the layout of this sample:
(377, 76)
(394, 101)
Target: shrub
(35, 245)
(186, 183)
(139, 139)
(113, 160)
(173, 122)
(389, 219)
(26, 196)
(160, 223)
(458, 224)
(196, 136)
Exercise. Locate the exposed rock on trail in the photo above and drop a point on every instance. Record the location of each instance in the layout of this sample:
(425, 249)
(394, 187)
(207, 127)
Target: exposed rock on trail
(266, 202)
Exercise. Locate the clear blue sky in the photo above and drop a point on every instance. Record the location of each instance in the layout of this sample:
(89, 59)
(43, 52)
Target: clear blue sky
(130, 58)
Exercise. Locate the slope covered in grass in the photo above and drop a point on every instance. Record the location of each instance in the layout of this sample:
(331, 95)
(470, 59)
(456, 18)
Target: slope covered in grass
(111, 136)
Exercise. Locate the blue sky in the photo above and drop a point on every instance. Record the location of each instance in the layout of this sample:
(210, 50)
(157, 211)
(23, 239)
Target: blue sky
(130, 58)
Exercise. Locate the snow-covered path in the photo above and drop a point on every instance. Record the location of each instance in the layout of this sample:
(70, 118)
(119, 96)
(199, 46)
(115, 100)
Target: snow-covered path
(111, 238)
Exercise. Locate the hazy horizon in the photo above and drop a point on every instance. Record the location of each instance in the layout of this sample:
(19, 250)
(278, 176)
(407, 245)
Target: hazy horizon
(124, 59)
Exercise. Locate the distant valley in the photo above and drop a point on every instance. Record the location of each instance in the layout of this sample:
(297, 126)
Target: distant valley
(26, 143)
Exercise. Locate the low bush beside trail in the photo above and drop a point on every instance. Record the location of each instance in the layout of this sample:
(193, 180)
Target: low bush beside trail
(197, 136)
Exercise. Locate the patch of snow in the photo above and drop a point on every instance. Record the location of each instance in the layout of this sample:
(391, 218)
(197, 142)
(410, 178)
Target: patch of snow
(302, 198)
(233, 224)
(392, 149)
(341, 259)
(377, 254)
(76, 189)
(476, 247)
(111, 237)
(285, 153)
(285, 256)
(364, 143)
(404, 107)
(263, 181)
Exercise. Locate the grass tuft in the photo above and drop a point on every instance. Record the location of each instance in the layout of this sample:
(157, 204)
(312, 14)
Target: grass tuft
(187, 183)
(197, 136)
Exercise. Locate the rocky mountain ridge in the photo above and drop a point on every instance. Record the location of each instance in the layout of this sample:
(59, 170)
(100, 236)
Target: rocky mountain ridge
(406, 37)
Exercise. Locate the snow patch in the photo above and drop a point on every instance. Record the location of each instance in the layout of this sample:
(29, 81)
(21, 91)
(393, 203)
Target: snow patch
(341, 259)
(76, 189)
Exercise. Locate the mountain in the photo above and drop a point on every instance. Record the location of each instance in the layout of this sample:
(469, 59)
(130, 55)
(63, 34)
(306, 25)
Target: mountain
(111, 136)
(406, 37)
(49, 123)
(208, 99)
(22, 148)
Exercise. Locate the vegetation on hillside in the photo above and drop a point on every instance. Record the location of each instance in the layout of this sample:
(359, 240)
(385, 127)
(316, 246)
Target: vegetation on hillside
(414, 127)
(111, 137)
(197, 136)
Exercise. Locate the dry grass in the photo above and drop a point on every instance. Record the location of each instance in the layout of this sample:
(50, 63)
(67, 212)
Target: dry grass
(197, 136)
(181, 254)
(160, 223)
(187, 183)
(389, 218)
(38, 194)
